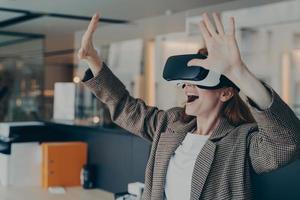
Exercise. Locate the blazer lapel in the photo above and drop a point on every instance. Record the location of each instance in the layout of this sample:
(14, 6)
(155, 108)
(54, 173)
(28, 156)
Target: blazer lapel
(167, 145)
(205, 158)
(223, 128)
(202, 168)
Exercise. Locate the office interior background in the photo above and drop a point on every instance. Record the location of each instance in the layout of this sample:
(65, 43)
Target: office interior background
(42, 99)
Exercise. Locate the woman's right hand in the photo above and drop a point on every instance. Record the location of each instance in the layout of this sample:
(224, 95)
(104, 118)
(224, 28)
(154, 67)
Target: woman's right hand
(87, 52)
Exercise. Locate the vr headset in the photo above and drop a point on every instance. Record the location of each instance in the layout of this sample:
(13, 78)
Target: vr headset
(177, 71)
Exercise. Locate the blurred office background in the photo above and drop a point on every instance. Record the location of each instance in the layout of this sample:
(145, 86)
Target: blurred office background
(39, 43)
(37, 52)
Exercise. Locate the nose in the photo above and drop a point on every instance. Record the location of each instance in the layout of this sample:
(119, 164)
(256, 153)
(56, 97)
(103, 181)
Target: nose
(187, 85)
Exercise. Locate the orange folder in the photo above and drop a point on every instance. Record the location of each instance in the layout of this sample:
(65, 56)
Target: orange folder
(62, 163)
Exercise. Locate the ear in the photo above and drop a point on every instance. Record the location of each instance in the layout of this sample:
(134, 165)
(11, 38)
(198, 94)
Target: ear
(226, 94)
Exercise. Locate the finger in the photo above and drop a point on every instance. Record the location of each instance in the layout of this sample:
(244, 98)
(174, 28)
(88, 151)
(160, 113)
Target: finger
(218, 23)
(87, 37)
(204, 31)
(81, 53)
(92, 26)
(199, 63)
(231, 29)
(209, 25)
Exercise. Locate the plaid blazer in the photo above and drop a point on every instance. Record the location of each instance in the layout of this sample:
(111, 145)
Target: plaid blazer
(223, 167)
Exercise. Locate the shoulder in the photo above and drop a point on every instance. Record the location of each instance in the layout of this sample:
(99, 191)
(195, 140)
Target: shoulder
(175, 113)
(243, 131)
(247, 128)
(168, 117)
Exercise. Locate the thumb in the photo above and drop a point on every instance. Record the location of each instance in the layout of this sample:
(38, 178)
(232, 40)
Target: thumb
(199, 63)
(81, 53)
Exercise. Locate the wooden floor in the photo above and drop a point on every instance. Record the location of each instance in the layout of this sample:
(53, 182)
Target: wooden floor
(76, 193)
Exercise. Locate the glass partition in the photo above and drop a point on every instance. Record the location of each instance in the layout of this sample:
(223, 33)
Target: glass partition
(21, 76)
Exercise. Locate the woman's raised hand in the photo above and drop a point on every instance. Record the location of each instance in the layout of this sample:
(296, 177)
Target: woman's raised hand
(87, 52)
(223, 52)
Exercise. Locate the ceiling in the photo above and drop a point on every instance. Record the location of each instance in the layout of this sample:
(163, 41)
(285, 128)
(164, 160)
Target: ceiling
(124, 9)
(60, 32)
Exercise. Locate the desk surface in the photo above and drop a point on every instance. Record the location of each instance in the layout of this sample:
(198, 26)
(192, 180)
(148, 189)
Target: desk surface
(37, 193)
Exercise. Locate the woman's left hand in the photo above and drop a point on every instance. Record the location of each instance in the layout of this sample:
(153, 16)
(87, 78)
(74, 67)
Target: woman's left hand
(224, 57)
(223, 52)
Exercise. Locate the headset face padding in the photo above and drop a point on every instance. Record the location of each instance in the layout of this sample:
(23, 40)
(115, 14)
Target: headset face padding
(177, 71)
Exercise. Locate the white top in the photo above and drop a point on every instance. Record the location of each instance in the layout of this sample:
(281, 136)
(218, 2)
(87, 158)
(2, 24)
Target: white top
(181, 166)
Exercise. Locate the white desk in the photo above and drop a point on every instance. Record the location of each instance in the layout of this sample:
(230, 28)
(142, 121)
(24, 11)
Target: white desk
(30, 193)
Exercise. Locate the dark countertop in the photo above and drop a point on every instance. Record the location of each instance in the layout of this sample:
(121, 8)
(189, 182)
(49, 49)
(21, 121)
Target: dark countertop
(50, 131)
(119, 156)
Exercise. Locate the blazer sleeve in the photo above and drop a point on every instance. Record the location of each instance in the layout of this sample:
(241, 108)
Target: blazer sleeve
(276, 142)
(129, 113)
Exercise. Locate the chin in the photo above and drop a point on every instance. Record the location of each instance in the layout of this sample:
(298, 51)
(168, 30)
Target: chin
(190, 112)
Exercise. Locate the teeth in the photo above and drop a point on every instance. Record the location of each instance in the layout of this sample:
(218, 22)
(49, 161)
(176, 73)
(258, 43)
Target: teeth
(191, 94)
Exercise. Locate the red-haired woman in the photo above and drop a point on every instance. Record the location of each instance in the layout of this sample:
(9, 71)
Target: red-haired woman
(211, 153)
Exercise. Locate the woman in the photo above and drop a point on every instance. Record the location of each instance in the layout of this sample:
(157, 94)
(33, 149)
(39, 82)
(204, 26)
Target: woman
(211, 154)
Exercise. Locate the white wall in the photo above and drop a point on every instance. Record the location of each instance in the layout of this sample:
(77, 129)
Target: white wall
(268, 37)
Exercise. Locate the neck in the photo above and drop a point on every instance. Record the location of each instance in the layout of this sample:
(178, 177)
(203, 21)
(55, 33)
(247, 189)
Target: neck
(206, 124)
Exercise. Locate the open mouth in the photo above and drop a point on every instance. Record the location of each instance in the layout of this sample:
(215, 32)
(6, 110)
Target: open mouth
(191, 98)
